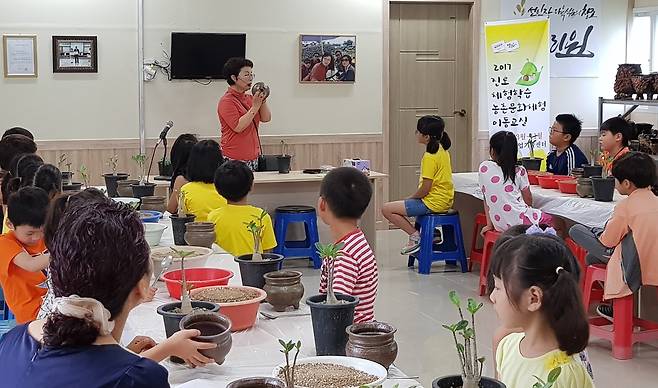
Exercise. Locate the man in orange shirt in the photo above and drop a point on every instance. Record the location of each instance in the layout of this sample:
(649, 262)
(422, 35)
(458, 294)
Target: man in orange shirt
(23, 254)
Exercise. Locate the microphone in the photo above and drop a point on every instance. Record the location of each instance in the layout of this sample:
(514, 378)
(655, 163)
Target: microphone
(166, 129)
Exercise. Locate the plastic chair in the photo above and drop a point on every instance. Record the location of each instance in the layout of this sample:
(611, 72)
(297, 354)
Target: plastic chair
(490, 239)
(284, 216)
(476, 253)
(450, 250)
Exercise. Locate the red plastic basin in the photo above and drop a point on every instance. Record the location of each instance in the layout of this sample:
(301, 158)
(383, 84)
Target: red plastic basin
(534, 175)
(197, 277)
(550, 182)
(568, 186)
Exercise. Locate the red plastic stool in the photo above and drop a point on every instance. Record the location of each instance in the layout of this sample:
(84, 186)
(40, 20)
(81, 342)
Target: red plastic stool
(580, 254)
(622, 335)
(476, 253)
(490, 239)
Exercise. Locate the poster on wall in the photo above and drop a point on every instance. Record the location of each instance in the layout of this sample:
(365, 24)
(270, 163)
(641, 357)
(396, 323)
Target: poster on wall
(575, 40)
(327, 58)
(518, 85)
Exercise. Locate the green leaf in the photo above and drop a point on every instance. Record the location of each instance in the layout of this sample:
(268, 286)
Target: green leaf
(454, 298)
(282, 343)
(540, 381)
(299, 345)
(451, 328)
(460, 348)
(554, 374)
(481, 360)
(461, 325)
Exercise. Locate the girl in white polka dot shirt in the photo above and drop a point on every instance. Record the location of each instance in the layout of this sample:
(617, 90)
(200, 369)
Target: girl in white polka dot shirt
(505, 187)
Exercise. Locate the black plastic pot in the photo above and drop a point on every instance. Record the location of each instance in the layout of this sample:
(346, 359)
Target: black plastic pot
(165, 169)
(590, 171)
(284, 163)
(73, 186)
(145, 190)
(330, 323)
(172, 320)
(531, 164)
(604, 188)
(456, 382)
(111, 182)
(178, 227)
(253, 272)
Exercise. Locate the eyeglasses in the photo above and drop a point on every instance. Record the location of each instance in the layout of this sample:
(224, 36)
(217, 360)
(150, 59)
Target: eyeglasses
(555, 130)
(249, 75)
(345, 60)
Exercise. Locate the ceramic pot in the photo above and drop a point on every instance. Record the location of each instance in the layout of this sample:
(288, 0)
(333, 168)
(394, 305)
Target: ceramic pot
(172, 319)
(200, 234)
(330, 322)
(284, 288)
(124, 188)
(111, 181)
(145, 190)
(178, 227)
(373, 341)
(252, 272)
(257, 382)
(584, 188)
(215, 328)
(577, 172)
(456, 381)
(154, 202)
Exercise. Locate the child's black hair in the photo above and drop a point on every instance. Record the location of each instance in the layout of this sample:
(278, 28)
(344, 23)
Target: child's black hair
(571, 125)
(504, 150)
(180, 154)
(21, 174)
(49, 178)
(544, 261)
(617, 125)
(434, 127)
(205, 157)
(233, 180)
(18, 131)
(28, 206)
(638, 167)
(13, 145)
(347, 192)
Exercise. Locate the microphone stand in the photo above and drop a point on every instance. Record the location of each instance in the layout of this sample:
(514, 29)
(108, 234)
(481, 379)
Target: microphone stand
(152, 157)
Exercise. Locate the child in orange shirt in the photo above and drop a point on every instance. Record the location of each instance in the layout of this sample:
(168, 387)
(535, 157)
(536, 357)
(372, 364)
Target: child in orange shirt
(23, 254)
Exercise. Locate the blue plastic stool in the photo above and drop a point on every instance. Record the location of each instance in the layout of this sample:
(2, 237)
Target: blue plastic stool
(8, 320)
(450, 250)
(286, 215)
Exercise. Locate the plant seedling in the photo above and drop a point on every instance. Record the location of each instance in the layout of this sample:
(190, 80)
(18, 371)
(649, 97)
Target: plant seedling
(328, 253)
(84, 175)
(113, 163)
(140, 159)
(532, 141)
(186, 303)
(289, 370)
(550, 381)
(256, 227)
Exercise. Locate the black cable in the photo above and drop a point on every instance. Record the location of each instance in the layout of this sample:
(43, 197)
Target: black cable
(204, 84)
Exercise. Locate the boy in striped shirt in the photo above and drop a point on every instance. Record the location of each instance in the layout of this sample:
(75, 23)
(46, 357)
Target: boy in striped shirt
(566, 156)
(344, 196)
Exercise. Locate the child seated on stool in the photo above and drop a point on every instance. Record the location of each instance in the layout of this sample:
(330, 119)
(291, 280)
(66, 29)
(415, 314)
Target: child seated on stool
(435, 193)
(629, 235)
(233, 181)
(566, 156)
(23, 254)
(345, 193)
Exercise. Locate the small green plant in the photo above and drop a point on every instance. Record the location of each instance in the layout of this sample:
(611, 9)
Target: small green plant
(328, 253)
(256, 227)
(186, 302)
(466, 351)
(140, 159)
(550, 381)
(594, 156)
(289, 370)
(84, 175)
(605, 161)
(532, 141)
(284, 148)
(113, 163)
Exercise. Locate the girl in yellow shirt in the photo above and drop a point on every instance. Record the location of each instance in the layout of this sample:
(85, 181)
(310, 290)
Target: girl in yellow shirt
(435, 193)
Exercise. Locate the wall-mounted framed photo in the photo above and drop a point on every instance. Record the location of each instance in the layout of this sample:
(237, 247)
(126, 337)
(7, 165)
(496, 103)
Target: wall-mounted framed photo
(20, 56)
(75, 54)
(327, 58)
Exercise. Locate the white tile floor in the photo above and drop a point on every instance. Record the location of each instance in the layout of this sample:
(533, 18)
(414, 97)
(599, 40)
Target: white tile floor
(417, 305)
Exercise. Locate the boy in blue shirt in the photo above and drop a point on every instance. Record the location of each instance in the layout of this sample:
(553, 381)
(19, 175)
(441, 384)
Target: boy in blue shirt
(566, 155)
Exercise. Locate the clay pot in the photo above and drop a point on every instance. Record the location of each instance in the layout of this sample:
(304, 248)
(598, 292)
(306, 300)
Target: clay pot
(111, 181)
(284, 288)
(623, 83)
(257, 382)
(215, 328)
(172, 319)
(373, 341)
(577, 172)
(200, 234)
(154, 202)
(584, 188)
(124, 188)
(178, 227)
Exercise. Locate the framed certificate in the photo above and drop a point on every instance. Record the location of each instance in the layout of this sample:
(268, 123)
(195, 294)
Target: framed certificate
(20, 56)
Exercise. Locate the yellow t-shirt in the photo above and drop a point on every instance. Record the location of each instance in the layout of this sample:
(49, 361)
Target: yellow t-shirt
(437, 168)
(201, 198)
(514, 370)
(231, 232)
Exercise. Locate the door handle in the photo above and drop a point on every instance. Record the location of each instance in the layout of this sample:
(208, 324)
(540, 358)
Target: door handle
(461, 113)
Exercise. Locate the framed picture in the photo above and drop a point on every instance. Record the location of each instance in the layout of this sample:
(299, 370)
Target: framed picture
(20, 56)
(75, 54)
(327, 58)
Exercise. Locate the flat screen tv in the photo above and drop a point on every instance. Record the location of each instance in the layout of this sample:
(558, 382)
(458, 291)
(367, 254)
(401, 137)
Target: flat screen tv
(199, 55)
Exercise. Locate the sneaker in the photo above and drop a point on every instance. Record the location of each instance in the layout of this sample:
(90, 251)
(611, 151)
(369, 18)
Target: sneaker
(605, 311)
(438, 235)
(413, 246)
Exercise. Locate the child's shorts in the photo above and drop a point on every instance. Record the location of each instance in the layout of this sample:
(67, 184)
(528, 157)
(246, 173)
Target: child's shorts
(416, 207)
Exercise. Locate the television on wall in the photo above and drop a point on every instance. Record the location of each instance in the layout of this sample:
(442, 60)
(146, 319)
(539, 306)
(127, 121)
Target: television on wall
(200, 55)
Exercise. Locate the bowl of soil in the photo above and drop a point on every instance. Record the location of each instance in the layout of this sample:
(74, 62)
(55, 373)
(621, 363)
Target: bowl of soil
(196, 260)
(149, 216)
(239, 303)
(196, 277)
(534, 175)
(335, 371)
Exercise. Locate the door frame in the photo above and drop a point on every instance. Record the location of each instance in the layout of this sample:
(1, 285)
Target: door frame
(475, 21)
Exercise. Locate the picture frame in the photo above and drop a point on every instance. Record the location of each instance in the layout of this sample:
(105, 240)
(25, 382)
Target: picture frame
(20, 56)
(327, 59)
(75, 54)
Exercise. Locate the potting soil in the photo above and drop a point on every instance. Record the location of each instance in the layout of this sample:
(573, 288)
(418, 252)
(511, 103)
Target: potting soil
(226, 295)
(320, 375)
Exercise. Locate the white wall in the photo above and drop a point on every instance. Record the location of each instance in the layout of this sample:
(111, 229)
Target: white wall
(104, 105)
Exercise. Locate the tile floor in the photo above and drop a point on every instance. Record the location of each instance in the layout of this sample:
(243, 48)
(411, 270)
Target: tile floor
(417, 305)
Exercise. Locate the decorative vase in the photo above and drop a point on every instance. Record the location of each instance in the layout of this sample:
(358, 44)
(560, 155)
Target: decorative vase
(642, 85)
(172, 319)
(200, 234)
(154, 202)
(284, 288)
(374, 341)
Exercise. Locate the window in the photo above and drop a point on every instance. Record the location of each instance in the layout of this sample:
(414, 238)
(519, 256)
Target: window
(642, 42)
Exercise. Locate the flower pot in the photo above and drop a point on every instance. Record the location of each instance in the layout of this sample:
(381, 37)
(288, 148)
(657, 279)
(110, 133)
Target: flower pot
(577, 172)
(243, 313)
(456, 382)
(284, 163)
(589, 171)
(154, 202)
(73, 186)
(252, 272)
(165, 168)
(172, 319)
(604, 188)
(257, 382)
(145, 190)
(284, 288)
(201, 234)
(531, 164)
(197, 277)
(178, 227)
(330, 323)
(584, 188)
(373, 341)
(124, 187)
(215, 328)
(111, 181)
(67, 177)
(153, 233)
